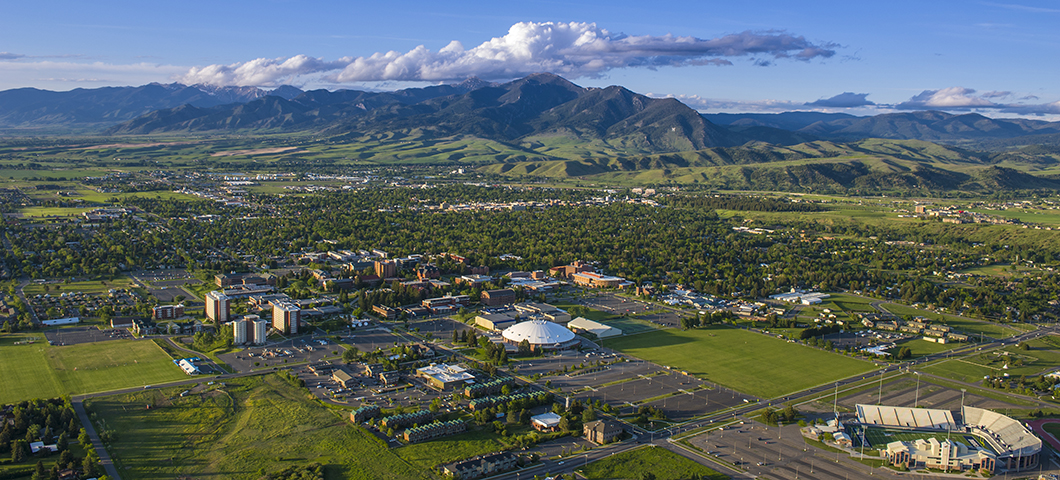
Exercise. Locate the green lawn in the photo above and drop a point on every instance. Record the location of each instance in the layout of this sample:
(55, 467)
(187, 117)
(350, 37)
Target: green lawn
(921, 347)
(251, 423)
(963, 325)
(664, 464)
(90, 286)
(745, 361)
(430, 454)
(1043, 356)
(41, 371)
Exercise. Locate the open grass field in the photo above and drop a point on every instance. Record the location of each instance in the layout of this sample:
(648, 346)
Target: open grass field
(41, 212)
(1041, 217)
(1003, 270)
(41, 371)
(962, 324)
(90, 286)
(27, 374)
(921, 347)
(430, 454)
(664, 464)
(235, 430)
(1043, 356)
(745, 361)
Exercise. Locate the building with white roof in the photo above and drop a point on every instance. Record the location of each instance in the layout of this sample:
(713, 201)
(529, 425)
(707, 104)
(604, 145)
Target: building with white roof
(596, 328)
(444, 377)
(541, 334)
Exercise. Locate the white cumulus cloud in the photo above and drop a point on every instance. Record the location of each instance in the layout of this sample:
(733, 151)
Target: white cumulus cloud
(571, 49)
(946, 98)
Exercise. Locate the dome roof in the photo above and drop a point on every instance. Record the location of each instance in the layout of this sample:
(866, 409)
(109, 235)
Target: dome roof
(538, 332)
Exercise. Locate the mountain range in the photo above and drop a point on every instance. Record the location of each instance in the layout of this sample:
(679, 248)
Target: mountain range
(521, 111)
(545, 126)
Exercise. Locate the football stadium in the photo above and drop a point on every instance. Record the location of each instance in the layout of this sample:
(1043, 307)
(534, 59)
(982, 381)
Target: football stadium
(915, 438)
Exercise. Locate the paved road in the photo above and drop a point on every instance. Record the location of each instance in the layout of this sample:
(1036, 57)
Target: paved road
(97, 444)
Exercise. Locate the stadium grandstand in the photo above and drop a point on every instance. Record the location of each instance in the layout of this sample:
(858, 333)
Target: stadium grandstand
(936, 439)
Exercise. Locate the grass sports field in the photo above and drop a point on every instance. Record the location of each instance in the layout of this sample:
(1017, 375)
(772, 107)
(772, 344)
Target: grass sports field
(749, 362)
(38, 370)
(880, 437)
(242, 430)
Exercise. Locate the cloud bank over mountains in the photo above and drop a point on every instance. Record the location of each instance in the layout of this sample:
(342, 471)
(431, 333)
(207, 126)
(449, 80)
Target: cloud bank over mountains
(950, 99)
(961, 98)
(570, 49)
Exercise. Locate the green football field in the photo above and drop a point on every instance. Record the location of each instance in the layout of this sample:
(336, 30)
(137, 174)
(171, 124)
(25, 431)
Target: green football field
(880, 437)
(38, 370)
(749, 362)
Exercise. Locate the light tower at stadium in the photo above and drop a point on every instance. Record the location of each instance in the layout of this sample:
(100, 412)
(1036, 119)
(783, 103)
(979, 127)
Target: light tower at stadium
(928, 438)
(541, 335)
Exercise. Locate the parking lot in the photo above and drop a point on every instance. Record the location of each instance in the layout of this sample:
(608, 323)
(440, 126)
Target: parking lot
(170, 294)
(777, 453)
(85, 334)
(298, 350)
(440, 328)
(623, 306)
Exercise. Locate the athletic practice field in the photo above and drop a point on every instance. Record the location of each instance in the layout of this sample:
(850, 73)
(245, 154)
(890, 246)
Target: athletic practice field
(37, 370)
(748, 362)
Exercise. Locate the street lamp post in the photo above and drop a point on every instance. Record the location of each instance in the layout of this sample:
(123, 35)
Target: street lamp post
(916, 401)
(879, 401)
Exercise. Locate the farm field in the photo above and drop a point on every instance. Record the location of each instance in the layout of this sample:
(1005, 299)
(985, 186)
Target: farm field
(748, 362)
(243, 430)
(41, 371)
(662, 463)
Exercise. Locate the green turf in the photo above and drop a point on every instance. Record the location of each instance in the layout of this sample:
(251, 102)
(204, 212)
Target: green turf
(745, 361)
(27, 374)
(880, 437)
(1043, 356)
(921, 347)
(662, 463)
(430, 454)
(251, 423)
(42, 371)
(88, 286)
(963, 325)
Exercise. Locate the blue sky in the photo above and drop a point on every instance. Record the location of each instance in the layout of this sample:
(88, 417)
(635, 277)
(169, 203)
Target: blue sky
(997, 58)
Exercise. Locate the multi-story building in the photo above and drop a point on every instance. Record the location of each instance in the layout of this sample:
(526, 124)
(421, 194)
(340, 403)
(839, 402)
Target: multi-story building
(434, 430)
(406, 419)
(239, 331)
(593, 279)
(257, 329)
(568, 270)
(364, 413)
(428, 271)
(503, 296)
(386, 268)
(481, 466)
(385, 311)
(285, 317)
(602, 431)
(167, 312)
(218, 306)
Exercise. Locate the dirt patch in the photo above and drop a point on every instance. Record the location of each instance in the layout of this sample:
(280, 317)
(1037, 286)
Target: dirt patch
(260, 151)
